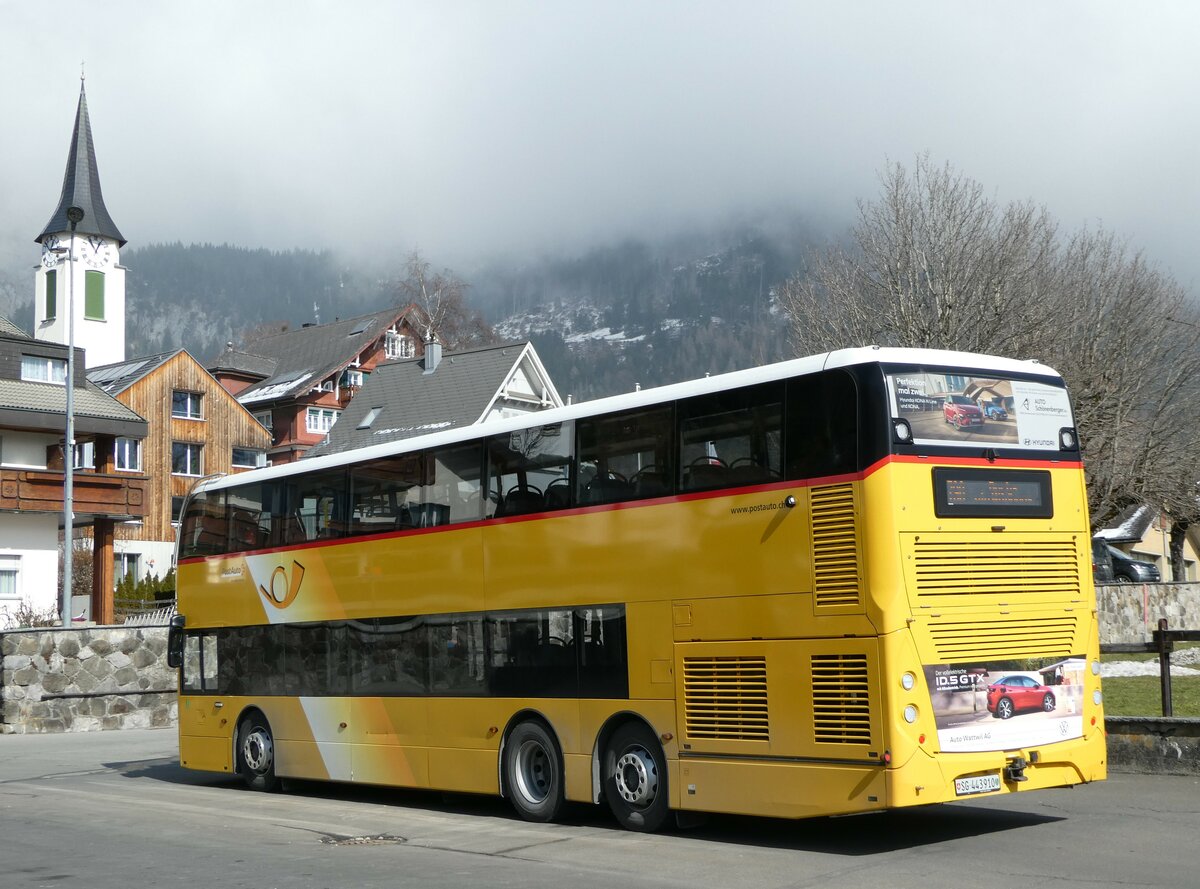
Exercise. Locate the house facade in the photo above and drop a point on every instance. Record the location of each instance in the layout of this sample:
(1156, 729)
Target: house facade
(195, 428)
(297, 383)
(403, 399)
(108, 492)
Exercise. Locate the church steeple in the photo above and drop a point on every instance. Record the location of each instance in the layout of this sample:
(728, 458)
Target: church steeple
(79, 289)
(81, 185)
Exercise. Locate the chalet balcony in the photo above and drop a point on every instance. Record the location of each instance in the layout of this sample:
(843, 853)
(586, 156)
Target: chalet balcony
(116, 496)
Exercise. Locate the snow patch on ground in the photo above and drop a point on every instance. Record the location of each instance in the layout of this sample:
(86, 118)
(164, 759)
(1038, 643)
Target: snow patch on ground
(1150, 668)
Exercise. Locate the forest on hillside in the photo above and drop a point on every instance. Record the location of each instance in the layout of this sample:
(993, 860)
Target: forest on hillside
(605, 320)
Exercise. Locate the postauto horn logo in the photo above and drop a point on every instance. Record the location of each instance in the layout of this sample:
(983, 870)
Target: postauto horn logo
(283, 589)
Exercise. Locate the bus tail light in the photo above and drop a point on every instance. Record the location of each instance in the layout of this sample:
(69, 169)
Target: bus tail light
(910, 714)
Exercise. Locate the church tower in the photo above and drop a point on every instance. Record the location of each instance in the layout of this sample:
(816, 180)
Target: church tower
(82, 271)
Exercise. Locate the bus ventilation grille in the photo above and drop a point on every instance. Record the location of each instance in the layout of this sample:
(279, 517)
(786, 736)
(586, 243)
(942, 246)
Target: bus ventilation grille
(841, 699)
(835, 546)
(1003, 638)
(954, 567)
(725, 698)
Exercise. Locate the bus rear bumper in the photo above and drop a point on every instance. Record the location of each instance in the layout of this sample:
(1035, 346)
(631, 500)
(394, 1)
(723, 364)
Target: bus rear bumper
(948, 777)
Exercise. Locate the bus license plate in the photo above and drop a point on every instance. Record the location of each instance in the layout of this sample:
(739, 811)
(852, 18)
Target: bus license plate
(976, 784)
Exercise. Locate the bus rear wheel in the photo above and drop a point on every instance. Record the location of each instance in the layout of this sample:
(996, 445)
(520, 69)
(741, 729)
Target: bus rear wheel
(256, 754)
(533, 772)
(635, 778)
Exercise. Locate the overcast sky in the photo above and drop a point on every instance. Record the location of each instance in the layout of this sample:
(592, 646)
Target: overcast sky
(472, 129)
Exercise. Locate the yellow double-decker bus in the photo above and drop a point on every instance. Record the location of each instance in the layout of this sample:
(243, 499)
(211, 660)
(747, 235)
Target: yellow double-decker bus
(844, 583)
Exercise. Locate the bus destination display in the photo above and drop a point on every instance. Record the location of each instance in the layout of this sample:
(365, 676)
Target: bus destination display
(987, 493)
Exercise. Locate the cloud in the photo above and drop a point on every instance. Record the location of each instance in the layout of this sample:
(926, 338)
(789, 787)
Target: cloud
(478, 128)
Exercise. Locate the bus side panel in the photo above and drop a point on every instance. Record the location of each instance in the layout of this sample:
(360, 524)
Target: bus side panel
(204, 734)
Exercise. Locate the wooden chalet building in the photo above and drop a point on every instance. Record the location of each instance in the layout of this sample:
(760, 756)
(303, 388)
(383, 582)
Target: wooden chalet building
(196, 428)
(298, 382)
(108, 489)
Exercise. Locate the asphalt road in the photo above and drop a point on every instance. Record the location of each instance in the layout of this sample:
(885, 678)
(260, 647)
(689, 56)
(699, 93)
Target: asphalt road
(114, 809)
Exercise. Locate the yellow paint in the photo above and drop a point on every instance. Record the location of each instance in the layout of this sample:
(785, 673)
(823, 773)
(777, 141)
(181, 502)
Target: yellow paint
(697, 580)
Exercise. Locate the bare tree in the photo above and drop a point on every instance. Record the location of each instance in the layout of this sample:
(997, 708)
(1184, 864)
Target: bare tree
(934, 262)
(443, 313)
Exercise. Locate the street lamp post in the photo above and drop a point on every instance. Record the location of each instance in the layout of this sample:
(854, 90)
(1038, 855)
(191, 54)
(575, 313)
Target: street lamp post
(74, 217)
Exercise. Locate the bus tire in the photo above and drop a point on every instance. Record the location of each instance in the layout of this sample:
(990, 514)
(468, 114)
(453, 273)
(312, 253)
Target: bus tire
(256, 753)
(533, 772)
(635, 778)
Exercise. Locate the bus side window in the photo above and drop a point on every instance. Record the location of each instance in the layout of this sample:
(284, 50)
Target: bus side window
(452, 488)
(731, 439)
(205, 529)
(457, 660)
(625, 456)
(385, 493)
(529, 470)
(821, 436)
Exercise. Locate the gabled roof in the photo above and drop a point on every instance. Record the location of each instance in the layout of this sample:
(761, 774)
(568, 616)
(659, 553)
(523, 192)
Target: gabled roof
(81, 185)
(1129, 526)
(116, 378)
(401, 400)
(292, 362)
(7, 328)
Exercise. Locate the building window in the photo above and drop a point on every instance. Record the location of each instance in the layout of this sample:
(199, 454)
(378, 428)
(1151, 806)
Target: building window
(353, 378)
(320, 419)
(185, 458)
(85, 455)
(10, 577)
(396, 345)
(36, 369)
(128, 454)
(93, 296)
(248, 458)
(186, 405)
(126, 565)
(51, 294)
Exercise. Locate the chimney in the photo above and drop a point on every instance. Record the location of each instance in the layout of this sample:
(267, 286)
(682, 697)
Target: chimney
(433, 356)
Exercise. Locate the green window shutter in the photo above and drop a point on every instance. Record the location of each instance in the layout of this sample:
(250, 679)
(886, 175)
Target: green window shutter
(93, 301)
(52, 294)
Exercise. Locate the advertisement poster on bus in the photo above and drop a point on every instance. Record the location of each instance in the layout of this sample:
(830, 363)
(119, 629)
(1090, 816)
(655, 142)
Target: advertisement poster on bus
(957, 408)
(1006, 705)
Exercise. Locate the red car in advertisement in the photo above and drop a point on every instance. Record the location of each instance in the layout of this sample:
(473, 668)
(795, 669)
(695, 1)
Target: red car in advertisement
(961, 411)
(1009, 695)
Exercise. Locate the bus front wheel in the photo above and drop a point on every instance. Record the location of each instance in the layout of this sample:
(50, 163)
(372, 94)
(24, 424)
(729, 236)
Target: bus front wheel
(635, 778)
(256, 754)
(533, 772)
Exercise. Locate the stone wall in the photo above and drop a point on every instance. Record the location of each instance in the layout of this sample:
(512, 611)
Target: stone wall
(87, 679)
(1129, 612)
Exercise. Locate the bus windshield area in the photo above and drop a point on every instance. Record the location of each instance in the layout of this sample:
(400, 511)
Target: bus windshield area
(964, 407)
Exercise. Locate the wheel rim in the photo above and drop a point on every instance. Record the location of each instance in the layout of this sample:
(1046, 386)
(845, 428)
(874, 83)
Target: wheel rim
(258, 752)
(1005, 709)
(534, 773)
(1048, 703)
(637, 777)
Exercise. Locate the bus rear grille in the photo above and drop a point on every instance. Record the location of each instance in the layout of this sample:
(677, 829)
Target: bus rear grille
(1003, 638)
(725, 698)
(835, 546)
(959, 567)
(841, 699)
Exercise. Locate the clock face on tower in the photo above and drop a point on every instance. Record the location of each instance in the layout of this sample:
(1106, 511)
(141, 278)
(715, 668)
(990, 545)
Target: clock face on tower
(49, 257)
(96, 252)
